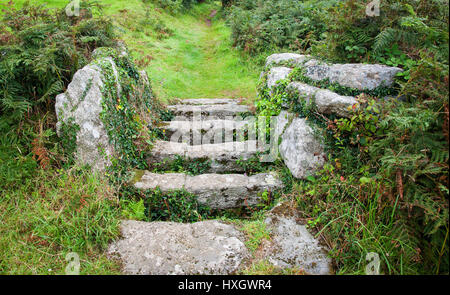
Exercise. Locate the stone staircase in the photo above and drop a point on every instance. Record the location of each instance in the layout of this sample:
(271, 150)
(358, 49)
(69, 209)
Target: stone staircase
(204, 131)
(224, 186)
(212, 247)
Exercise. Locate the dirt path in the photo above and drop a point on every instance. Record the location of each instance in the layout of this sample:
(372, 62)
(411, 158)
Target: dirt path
(211, 16)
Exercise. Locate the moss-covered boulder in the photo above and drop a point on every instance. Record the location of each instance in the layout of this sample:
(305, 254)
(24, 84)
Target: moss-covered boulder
(106, 111)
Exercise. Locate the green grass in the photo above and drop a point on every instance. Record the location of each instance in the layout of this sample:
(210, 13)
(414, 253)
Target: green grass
(55, 213)
(193, 61)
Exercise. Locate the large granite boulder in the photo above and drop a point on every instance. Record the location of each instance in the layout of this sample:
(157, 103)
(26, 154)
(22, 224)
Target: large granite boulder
(358, 76)
(81, 104)
(282, 120)
(302, 153)
(168, 248)
(326, 101)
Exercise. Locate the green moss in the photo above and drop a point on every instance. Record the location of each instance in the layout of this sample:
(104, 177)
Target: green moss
(68, 132)
(136, 176)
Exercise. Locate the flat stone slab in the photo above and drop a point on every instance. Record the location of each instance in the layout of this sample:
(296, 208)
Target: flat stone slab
(208, 101)
(292, 244)
(222, 156)
(168, 248)
(359, 76)
(219, 191)
(327, 101)
(210, 112)
(204, 131)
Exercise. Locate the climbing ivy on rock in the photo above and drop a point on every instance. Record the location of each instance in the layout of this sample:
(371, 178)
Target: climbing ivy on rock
(130, 111)
(131, 115)
(68, 132)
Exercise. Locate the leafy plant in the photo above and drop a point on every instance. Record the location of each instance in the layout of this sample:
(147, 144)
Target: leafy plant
(260, 26)
(177, 206)
(256, 232)
(133, 209)
(40, 52)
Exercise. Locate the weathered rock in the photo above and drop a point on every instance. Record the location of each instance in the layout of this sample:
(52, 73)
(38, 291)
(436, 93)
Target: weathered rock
(219, 191)
(276, 74)
(316, 70)
(203, 132)
(282, 121)
(81, 105)
(295, 59)
(359, 76)
(327, 101)
(301, 151)
(167, 248)
(363, 76)
(209, 111)
(292, 245)
(222, 156)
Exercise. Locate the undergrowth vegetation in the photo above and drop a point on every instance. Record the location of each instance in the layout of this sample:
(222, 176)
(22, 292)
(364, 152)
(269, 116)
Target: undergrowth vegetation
(385, 187)
(71, 209)
(47, 208)
(154, 205)
(56, 212)
(261, 26)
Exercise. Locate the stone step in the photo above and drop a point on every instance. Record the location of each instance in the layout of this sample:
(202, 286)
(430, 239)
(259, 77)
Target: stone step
(222, 156)
(213, 247)
(168, 248)
(210, 112)
(218, 191)
(326, 101)
(204, 131)
(208, 101)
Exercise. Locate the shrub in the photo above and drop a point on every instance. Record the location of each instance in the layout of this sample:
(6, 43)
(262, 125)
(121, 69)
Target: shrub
(385, 186)
(40, 50)
(409, 25)
(175, 6)
(260, 26)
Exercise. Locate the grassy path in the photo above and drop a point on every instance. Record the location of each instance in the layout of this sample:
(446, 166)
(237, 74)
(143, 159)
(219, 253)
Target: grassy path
(196, 60)
(184, 57)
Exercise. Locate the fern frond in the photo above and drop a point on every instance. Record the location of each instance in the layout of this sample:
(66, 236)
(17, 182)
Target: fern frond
(384, 39)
